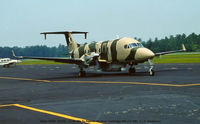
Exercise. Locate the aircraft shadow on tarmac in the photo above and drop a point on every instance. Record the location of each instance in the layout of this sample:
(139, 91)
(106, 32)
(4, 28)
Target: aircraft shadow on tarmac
(90, 75)
(95, 75)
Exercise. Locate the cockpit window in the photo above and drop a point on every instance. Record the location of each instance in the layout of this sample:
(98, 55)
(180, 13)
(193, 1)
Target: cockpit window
(132, 45)
(140, 45)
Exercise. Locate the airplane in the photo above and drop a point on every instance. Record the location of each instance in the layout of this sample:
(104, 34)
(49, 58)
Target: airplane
(7, 62)
(109, 56)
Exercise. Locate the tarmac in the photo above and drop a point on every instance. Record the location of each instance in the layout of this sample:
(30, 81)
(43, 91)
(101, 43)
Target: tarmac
(54, 94)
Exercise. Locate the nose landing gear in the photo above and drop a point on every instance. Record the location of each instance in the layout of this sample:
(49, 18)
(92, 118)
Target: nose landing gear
(151, 71)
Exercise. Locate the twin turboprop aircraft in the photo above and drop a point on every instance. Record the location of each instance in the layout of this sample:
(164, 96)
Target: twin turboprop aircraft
(7, 62)
(111, 55)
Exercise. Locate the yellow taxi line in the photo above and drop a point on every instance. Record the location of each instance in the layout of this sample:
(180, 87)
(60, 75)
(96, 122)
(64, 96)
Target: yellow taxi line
(6, 105)
(53, 113)
(16, 78)
(188, 85)
(27, 79)
(108, 82)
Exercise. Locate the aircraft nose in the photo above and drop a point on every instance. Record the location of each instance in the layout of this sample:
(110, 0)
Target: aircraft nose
(143, 54)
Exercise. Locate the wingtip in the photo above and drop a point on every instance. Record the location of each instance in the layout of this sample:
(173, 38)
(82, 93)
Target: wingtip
(183, 47)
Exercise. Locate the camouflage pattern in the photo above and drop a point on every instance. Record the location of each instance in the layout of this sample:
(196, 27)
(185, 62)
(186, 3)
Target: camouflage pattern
(112, 51)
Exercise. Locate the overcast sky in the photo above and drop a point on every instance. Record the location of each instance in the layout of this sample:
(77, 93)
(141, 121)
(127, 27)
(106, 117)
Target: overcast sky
(21, 21)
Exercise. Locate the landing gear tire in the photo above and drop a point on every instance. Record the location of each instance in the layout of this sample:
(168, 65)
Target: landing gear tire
(6, 66)
(131, 70)
(151, 72)
(82, 73)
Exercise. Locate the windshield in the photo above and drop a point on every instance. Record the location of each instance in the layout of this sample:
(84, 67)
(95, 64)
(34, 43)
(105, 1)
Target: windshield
(140, 45)
(132, 45)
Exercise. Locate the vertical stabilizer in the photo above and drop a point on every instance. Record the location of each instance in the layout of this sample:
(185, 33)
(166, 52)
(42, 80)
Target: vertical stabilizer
(72, 44)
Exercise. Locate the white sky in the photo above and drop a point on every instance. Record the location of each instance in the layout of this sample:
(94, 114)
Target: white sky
(21, 21)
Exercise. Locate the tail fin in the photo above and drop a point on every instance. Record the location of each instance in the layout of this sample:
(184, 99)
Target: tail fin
(71, 43)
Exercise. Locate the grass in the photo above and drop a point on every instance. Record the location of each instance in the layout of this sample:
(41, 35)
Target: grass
(185, 57)
(178, 58)
(37, 62)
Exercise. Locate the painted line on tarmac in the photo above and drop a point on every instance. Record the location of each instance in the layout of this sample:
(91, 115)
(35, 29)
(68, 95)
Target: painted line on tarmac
(104, 82)
(134, 83)
(6, 105)
(53, 113)
(25, 79)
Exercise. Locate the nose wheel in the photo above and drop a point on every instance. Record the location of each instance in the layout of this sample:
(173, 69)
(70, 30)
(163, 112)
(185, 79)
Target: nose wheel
(151, 71)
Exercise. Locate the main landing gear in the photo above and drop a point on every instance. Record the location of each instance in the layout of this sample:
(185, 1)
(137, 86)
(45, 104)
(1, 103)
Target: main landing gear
(82, 73)
(6, 66)
(131, 70)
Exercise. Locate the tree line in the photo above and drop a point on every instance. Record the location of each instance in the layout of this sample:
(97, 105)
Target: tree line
(38, 50)
(191, 42)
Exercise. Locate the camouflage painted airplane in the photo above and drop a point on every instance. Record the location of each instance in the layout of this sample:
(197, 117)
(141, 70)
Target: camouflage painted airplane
(110, 55)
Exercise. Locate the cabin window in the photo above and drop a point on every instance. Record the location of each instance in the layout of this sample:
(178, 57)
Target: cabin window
(125, 46)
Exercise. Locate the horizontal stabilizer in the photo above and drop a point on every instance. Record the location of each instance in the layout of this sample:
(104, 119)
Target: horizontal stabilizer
(65, 33)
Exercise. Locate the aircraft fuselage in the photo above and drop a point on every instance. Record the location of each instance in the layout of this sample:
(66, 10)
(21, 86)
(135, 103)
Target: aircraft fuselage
(124, 50)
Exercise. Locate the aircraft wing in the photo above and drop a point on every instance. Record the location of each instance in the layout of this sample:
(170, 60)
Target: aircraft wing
(168, 52)
(56, 59)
